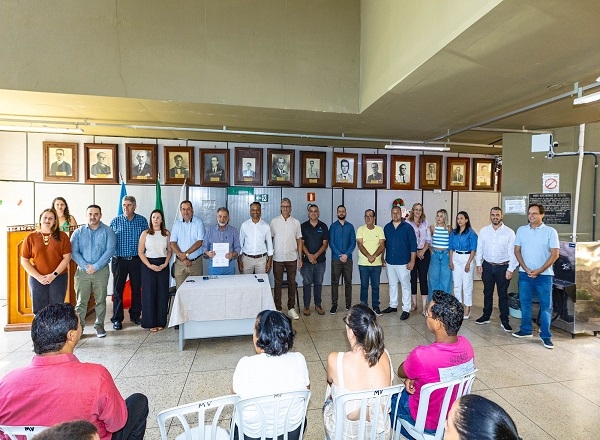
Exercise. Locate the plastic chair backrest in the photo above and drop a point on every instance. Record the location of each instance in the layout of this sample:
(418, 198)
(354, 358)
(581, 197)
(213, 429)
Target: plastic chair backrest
(206, 429)
(274, 411)
(27, 431)
(379, 403)
(462, 385)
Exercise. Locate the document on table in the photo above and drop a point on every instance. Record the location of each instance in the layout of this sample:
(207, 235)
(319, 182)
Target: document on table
(220, 260)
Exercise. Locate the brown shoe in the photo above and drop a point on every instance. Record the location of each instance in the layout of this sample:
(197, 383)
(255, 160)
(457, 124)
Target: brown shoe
(319, 310)
(306, 311)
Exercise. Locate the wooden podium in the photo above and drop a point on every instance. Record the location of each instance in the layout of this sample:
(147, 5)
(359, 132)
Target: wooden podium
(19, 304)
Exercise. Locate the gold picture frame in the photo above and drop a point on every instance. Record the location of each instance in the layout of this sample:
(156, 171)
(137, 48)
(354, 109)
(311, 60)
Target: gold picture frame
(179, 165)
(101, 164)
(60, 161)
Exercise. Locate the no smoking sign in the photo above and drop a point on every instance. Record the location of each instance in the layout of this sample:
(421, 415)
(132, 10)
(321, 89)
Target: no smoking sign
(550, 182)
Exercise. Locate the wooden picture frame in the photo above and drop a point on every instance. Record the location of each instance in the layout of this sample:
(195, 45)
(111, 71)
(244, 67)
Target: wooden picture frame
(483, 174)
(60, 161)
(374, 171)
(101, 164)
(430, 172)
(457, 173)
(248, 166)
(142, 163)
(344, 170)
(281, 167)
(214, 167)
(403, 172)
(312, 169)
(179, 165)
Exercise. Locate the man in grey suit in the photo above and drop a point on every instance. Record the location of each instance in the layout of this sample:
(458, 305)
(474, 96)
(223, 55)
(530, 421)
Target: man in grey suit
(60, 167)
(100, 167)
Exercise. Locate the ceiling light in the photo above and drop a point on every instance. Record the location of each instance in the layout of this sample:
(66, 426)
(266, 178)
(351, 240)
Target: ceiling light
(31, 129)
(417, 147)
(587, 99)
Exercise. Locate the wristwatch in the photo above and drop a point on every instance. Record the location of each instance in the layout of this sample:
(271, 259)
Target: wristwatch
(55, 274)
(187, 255)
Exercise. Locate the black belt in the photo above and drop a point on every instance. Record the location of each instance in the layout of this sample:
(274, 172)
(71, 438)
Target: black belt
(133, 257)
(463, 252)
(504, 263)
(191, 259)
(255, 256)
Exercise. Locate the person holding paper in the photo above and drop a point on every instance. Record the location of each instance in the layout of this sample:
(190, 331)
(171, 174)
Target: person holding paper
(222, 245)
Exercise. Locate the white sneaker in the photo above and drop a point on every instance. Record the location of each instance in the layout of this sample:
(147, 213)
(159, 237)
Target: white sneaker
(293, 314)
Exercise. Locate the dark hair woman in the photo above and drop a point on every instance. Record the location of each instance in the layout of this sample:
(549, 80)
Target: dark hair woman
(64, 218)
(45, 255)
(366, 366)
(463, 245)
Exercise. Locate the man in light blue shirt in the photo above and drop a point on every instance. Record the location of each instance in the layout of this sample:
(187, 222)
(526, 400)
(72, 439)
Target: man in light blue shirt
(92, 247)
(222, 233)
(536, 249)
(187, 237)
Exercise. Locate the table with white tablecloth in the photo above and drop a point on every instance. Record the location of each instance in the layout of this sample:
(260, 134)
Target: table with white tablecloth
(224, 305)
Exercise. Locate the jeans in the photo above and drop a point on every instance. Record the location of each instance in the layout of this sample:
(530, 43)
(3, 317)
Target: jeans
(440, 275)
(495, 276)
(345, 270)
(542, 284)
(312, 274)
(43, 295)
(370, 274)
(399, 274)
(291, 268)
(403, 413)
(85, 284)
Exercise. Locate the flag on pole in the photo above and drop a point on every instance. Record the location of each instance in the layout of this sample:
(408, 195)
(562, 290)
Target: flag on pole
(123, 194)
(158, 204)
(182, 197)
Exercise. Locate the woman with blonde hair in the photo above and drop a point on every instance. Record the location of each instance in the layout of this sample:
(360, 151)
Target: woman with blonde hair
(366, 366)
(440, 275)
(418, 221)
(65, 220)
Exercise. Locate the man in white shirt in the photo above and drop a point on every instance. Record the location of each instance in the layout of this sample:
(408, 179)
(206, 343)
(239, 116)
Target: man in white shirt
(287, 253)
(496, 262)
(187, 236)
(256, 243)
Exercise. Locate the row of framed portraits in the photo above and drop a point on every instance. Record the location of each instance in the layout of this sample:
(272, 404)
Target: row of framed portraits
(101, 166)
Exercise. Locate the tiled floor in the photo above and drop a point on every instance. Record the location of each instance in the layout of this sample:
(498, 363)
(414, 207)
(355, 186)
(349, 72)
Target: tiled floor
(551, 394)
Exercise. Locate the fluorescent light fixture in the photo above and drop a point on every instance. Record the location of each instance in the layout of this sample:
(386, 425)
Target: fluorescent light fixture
(31, 129)
(417, 147)
(587, 99)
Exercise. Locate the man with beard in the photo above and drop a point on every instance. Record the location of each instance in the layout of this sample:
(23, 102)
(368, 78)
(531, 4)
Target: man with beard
(221, 233)
(342, 241)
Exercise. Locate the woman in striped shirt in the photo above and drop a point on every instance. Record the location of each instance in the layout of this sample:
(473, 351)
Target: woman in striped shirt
(440, 275)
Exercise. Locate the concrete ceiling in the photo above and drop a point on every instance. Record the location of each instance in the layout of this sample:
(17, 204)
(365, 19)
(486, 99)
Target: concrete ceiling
(520, 54)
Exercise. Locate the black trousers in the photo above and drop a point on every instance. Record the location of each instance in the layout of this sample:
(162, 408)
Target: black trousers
(495, 276)
(121, 268)
(155, 295)
(137, 414)
(345, 270)
(420, 270)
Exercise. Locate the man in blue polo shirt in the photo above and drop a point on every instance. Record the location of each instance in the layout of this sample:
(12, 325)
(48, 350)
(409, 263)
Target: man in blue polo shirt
(536, 249)
(187, 237)
(315, 239)
(400, 255)
(342, 241)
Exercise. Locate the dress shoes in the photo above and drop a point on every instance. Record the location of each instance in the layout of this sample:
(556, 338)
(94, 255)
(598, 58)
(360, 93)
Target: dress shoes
(390, 310)
(136, 321)
(117, 325)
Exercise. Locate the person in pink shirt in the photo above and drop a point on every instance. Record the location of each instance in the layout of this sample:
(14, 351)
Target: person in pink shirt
(449, 357)
(57, 388)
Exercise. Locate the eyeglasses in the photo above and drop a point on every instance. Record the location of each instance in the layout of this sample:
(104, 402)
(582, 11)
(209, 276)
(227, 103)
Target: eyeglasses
(345, 320)
(286, 206)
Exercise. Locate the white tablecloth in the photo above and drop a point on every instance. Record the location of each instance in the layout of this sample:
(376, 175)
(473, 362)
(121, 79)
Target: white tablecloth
(223, 298)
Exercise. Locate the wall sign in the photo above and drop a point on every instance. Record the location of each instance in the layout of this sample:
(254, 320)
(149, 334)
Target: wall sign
(557, 205)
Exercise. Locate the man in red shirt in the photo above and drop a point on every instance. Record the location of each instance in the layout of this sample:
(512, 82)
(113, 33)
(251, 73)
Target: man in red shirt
(57, 388)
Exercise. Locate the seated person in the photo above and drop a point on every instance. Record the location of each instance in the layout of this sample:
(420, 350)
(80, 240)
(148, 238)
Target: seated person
(366, 366)
(274, 369)
(448, 358)
(473, 417)
(77, 430)
(56, 387)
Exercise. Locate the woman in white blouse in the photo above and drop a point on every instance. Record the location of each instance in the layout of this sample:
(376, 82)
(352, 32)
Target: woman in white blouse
(419, 223)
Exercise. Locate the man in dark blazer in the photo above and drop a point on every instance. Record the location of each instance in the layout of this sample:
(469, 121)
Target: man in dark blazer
(60, 167)
(376, 177)
(179, 169)
(143, 168)
(215, 172)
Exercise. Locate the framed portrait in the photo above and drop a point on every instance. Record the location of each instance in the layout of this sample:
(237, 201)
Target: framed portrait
(142, 163)
(345, 169)
(403, 172)
(248, 166)
(457, 173)
(374, 171)
(179, 165)
(312, 168)
(214, 167)
(281, 167)
(101, 163)
(431, 172)
(483, 173)
(60, 161)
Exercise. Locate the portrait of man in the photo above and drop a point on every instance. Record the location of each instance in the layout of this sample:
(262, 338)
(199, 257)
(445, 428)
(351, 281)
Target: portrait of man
(281, 168)
(312, 168)
(375, 176)
(431, 171)
(343, 171)
(458, 174)
(483, 174)
(249, 167)
(214, 170)
(101, 167)
(61, 167)
(180, 168)
(141, 164)
(403, 175)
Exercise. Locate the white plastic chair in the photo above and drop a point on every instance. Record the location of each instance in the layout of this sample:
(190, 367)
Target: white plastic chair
(27, 431)
(378, 401)
(206, 429)
(462, 385)
(271, 410)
